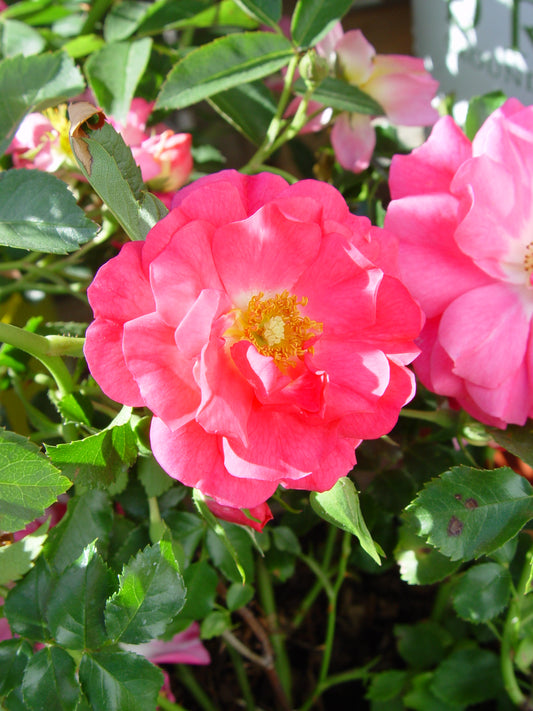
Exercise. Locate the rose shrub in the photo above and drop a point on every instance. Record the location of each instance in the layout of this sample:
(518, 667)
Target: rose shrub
(463, 212)
(266, 329)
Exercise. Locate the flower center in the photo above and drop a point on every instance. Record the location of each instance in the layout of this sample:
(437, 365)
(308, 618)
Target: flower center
(276, 327)
(60, 123)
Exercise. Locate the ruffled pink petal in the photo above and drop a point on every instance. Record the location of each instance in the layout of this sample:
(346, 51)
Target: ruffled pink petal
(160, 235)
(195, 328)
(328, 44)
(163, 374)
(226, 396)
(303, 388)
(274, 249)
(433, 366)
(336, 464)
(479, 185)
(509, 401)
(195, 458)
(485, 333)
(182, 270)
(327, 198)
(253, 191)
(105, 358)
(353, 139)
(494, 138)
(120, 290)
(355, 56)
(281, 445)
(383, 416)
(431, 167)
(404, 89)
(431, 265)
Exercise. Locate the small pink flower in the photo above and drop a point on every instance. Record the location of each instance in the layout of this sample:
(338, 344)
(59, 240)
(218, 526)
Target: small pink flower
(163, 156)
(463, 212)
(256, 517)
(3, 6)
(399, 83)
(42, 142)
(265, 328)
(5, 630)
(184, 648)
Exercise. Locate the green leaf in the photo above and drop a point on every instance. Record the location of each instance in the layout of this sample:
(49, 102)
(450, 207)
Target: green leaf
(114, 72)
(154, 479)
(50, 681)
(76, 609)
(119, 681)
(116, 178)
(124, 18)
(89, 517)
(340, 506)
(215, 624)
(268, 12)
(482, 593)
(150, 594)
(422, 698)
(83, 45)
(201, 584)
(230, 548)
(38, 212)
(479, 109)
(249, 108)
(26, 603)
(188, 529)
(14, 655)
(517, 440)
(239, 596)
(387, 686)
(99, 460)
(422, 645)
(286, 540)
(19, 38)
(17, 558)
(33, 84)
(340, 95)
(28, 482)
(467, 677)
(222, 64)
(313, 19)
(469, 512)
(420, 563)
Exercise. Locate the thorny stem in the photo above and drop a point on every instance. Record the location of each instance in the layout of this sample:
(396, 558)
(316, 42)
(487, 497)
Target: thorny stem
(510, 633)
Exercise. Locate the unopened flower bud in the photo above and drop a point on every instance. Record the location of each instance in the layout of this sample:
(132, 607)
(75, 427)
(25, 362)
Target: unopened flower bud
(313, 68)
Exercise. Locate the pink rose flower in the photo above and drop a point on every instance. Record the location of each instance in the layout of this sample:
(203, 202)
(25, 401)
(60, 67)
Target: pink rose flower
(399, 83)
(265, 328)
(42, 142)
(463, 213)
(163, 156)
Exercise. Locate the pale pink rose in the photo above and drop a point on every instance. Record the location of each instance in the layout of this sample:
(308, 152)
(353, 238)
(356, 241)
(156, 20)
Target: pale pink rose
(399, 83)
(463, 212)
(41, 142)
(265, 328)
(3, 6)
(255, 518)
(184, 648)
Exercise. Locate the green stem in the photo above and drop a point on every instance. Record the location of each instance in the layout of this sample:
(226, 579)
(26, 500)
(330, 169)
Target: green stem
(167, 705)
(440, 417)
(509, 636)
(277, 638)
(186, 677)
(156, 526)
(38, 347)
(311, 596)
(242, 679)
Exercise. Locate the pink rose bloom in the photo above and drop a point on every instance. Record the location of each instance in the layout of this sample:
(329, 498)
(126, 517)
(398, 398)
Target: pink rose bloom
(5, 630)
(3, 6)
(399, 83)
(163, 156)
(463, 212)
(184, 648)
(42, 142)
(264, 327)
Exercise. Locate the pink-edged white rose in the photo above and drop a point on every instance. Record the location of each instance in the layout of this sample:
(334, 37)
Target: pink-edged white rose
(463, 212)
(265, 327)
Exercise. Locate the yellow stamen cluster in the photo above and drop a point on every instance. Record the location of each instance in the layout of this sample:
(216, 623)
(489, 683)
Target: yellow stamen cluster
(276, 327)
(60, 123)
